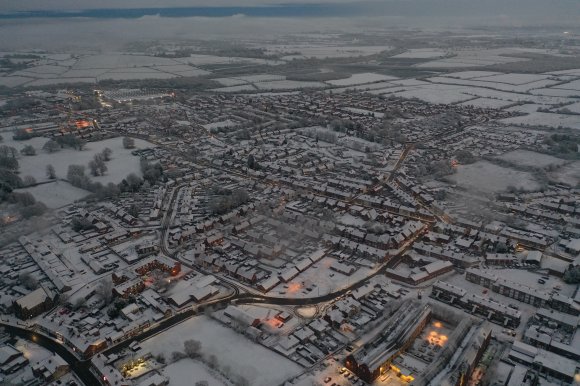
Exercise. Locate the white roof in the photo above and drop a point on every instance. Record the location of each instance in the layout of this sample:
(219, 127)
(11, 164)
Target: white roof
(33, 299)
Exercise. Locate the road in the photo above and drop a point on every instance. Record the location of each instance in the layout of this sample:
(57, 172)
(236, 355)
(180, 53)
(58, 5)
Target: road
(80, 367)
(239, 295)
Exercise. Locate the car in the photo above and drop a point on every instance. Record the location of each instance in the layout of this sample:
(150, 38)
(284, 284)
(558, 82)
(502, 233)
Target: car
(327, 379)
(541, 281)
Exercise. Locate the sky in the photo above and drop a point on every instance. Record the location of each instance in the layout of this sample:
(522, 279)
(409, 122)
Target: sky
(114, 30)
(19, 5)
(564, 8)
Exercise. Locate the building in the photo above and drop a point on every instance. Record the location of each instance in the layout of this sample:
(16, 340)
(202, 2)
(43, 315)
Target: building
(50, 369)
(375, 357)
(473, 353)
(491, 310)
(11, 360)
(33, 304)
(544, 362)
(522, 292)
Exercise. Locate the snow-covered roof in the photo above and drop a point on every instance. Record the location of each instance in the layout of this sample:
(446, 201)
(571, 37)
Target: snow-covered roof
(33, 299)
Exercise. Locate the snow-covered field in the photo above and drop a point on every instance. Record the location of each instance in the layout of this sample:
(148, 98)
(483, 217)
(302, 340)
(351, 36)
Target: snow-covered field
(569, 174)
(505, 85)
(471, 74)
(188, 372)
(258, 364)
(93, 68)
(122, 161)
(56, 194)
(205, 60)
(556, 92)
(473, 58)
(321, 51)
(546, 119)
(488, 103)
(240, 87)
(574, 85)
(421, 53)
(239, 80)
(486, 177)
(437, 94)
(367, 77)
(531, 158)
(220, 124)
(514, 79)
(288, 85)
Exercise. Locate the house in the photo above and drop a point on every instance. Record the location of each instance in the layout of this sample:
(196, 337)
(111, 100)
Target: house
(289, 274)
(342, 268)
(11, 360)
(237, 315)
(33, 304)
(268, 284)
(50, 368)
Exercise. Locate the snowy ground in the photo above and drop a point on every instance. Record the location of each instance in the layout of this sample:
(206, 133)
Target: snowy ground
(121, 164)
(531, 158)
(362, 78)
(93, 68)
(487, 103)
(321, 51)
(473, 58)
(437, 93)
(287, 85)
(238, 88)
(546, 119)
(33, 352)
(56, 194)
(245, 358)
(421, 53)
(486, 177)
(188, 372)
(569, 174)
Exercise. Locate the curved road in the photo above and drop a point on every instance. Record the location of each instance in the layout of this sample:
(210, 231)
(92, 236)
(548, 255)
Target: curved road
(239, 296)
(80, 367)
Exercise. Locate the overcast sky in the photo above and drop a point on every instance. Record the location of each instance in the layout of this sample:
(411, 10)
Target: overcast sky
(90, 4)
(564, 6)
(112, 32)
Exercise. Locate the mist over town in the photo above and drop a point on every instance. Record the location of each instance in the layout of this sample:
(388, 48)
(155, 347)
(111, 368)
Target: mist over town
(314, 193)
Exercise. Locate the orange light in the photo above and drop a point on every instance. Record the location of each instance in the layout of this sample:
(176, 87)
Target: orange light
(294, 287)
(438, 324)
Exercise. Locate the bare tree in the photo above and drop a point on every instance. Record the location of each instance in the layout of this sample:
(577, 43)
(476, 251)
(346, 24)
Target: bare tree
(28, 150)
(242, 381)
(192, 348)
(28, 181)
(107, 154)
(105, 290)
(212, 361)
(128, 143)
(28, 281)
(97, 165)
(51, 146)
(177, 355)
(50, 172)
